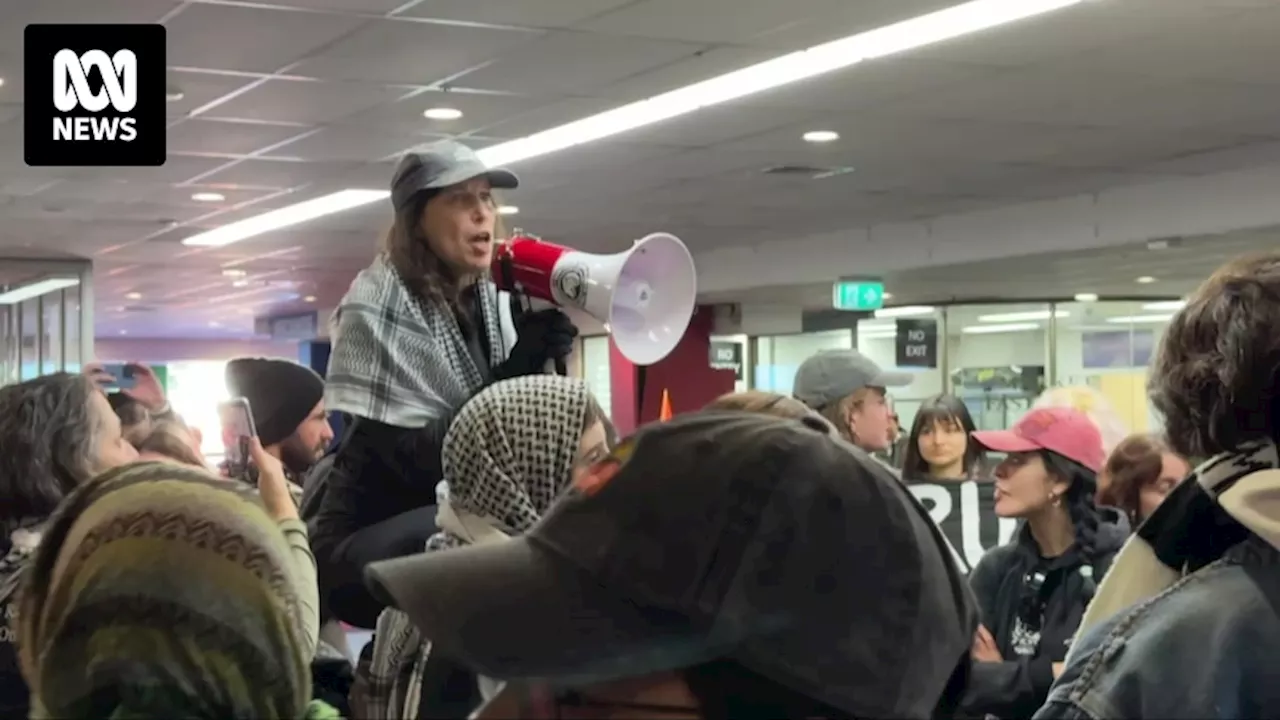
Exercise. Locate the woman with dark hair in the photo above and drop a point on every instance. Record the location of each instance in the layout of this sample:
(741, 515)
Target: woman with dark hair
(939, 447)
(419, 331)
(1138, 475)
(943, 467)
(1033, 591)
(57, 432)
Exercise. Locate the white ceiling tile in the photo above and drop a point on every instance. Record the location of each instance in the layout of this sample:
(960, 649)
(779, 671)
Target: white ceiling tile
(1221, 159)
(479, 110)
(200, 89)
(308, 102)
(176, 169)
(1198, 51)
(347, 144)
(253, 39)
(702, 66)
(528, 13)
(411, 53)
(721, 123)
(1074, 31)
(278, 174)
(557, 63)
(379, 7)
(843, 20)
(548, 116)
(230, 138)
(706, 21)
(867, 86)
(17, 14)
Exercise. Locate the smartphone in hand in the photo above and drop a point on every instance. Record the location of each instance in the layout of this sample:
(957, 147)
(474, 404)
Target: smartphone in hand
(123, 377)
(237, 431)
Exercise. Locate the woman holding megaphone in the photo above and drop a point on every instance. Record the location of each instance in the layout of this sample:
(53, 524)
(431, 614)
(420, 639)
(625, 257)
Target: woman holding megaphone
(419, 332)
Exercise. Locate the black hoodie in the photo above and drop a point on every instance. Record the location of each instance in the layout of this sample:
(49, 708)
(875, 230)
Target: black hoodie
(1013, 582)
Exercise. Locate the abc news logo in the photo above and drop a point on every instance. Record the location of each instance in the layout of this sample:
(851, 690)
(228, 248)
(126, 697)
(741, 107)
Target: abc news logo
(71, 91)
(94, 95)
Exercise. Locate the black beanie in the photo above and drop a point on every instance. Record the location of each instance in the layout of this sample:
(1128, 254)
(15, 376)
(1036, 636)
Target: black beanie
(281, 394)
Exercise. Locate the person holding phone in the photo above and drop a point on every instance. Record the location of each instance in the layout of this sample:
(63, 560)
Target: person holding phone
(419, 332)
(282, 403)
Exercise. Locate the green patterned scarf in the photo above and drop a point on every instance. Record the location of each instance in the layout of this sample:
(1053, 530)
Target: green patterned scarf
(158, 592)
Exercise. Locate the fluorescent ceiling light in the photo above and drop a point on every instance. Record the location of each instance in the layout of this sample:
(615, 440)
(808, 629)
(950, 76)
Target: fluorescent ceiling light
(904, 311)
(286, 216)
(934, 27)
(1086, 297)
(1021, 316)
(208, 197)
(1139, 319)
(1145, 280)
(1174, 305)
(16, 295)
(821, 136)
(956, 21)
(993, 329)
(508, 210)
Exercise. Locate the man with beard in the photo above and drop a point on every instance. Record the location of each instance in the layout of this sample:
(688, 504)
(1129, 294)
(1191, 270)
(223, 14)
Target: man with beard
(287, 403)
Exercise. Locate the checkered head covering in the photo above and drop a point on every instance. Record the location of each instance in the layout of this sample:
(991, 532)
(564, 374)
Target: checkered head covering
(509, 452)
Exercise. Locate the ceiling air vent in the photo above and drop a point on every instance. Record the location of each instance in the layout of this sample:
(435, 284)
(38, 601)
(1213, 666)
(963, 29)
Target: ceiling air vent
(811, 172)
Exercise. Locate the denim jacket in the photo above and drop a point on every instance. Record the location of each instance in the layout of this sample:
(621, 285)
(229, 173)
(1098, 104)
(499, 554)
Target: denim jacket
(1206, 648)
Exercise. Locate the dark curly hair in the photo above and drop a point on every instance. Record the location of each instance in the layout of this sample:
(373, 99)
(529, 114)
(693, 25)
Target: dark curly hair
(1214, 379)
(48, 430)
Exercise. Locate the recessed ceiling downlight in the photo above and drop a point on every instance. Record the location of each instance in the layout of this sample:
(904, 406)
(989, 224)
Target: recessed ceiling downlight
(821, 136)
(442, 113)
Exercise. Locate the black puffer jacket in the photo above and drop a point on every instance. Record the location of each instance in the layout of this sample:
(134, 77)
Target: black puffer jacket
(1017, 590)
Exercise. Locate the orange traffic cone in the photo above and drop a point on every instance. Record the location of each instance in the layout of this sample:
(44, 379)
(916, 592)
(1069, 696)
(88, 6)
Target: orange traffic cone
(664, 413)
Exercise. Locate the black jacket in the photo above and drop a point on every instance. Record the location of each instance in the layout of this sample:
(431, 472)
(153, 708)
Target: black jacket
(1016, 589)
(372, 499)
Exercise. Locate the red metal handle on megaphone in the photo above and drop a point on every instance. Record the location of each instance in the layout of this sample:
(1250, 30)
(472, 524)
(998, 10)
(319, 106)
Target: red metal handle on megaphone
(510, 277)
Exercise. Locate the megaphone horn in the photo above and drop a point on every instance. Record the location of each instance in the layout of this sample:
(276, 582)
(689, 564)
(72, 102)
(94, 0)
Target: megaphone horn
(645, 296)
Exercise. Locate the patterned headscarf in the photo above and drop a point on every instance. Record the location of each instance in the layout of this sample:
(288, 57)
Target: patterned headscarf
(160, 591)
(507, 456)
(509, 452)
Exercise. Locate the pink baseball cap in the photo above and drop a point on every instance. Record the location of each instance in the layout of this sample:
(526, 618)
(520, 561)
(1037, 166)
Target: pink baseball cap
(1065, 431)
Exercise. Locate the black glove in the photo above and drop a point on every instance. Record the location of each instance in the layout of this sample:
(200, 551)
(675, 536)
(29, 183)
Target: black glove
(541, 337)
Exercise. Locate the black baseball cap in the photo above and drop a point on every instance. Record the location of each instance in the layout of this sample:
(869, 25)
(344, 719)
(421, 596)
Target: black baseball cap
(441, 165)
(716, 535)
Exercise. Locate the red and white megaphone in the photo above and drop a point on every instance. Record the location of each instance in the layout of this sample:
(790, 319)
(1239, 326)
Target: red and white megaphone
(645, 296)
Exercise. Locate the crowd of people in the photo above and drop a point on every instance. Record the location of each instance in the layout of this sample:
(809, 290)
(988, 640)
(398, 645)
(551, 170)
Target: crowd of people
(765, 557)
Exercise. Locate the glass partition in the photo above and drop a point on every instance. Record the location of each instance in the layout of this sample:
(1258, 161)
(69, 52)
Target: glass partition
(1109, 346)
(998, 358)
(777, 357)
(41, 314)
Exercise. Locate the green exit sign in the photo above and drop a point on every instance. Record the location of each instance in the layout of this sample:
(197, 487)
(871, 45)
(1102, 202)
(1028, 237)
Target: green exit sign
(857, 295)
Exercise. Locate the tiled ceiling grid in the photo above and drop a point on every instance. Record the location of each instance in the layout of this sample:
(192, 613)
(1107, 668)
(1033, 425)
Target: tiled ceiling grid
(288, 99)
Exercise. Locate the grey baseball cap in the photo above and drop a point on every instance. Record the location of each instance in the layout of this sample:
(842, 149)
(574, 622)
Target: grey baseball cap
(716, 535)
(440, 165)
(833, 374)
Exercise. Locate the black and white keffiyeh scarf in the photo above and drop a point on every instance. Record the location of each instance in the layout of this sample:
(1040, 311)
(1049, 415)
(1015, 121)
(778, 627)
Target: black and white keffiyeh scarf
(508, 455)
(400, 360)
(1223, 502)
